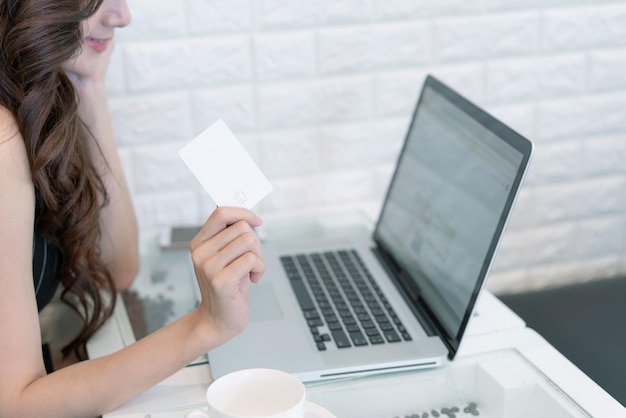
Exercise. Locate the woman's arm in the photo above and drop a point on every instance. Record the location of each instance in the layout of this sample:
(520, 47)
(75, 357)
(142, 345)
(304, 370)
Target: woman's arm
(227, 259)
(118, 223)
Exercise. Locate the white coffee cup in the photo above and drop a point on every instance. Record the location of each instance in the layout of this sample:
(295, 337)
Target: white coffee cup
(266, 393)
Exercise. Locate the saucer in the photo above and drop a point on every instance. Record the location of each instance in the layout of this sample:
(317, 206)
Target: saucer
(312, 410)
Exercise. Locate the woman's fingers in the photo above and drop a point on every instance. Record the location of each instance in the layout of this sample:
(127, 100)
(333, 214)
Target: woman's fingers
(244, 267)
(219, 252)
(220, 219)
(228, 236)
(239, 230)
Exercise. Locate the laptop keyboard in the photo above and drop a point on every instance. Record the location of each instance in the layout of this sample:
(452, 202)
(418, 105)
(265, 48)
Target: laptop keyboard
(341, 301)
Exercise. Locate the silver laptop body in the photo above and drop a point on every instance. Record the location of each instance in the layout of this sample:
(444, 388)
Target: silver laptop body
(421, 270)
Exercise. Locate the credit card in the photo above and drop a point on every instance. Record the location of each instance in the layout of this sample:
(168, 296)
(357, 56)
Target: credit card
(224, 168)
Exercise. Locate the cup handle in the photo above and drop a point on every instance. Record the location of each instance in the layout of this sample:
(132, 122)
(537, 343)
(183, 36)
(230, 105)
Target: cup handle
(197, 413)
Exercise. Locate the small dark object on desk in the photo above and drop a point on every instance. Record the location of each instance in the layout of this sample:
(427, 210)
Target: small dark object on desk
(449, 412)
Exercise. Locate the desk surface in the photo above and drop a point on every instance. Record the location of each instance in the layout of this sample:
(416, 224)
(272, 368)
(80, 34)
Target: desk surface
(494, 330)
(186, 388)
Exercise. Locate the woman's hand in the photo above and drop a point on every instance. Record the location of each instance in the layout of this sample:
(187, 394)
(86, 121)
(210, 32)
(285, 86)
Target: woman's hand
(88, 67)
(227, 257)
(87, 72)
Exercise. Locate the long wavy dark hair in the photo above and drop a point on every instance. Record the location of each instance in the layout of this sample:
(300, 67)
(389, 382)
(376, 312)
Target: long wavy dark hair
(37, 37)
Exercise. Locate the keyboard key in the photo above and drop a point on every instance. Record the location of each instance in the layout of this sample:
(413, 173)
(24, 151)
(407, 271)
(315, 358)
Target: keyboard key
(372, 332)
(331, 318)
(325, 304)
(315, 322)
(364, 317)
(335, 326)
(341, 339)
(392, 336)
(302, 294)
(386, 326)
(381, 319)
(311, 314)
(353, 328)
(368, 324)
(345, 313)
(377, 339)
(358, 338)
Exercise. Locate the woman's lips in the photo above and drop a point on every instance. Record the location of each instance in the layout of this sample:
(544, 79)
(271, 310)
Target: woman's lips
(98, 45)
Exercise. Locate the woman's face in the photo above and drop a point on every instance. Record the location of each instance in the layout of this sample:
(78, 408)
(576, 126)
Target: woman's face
(98, 32)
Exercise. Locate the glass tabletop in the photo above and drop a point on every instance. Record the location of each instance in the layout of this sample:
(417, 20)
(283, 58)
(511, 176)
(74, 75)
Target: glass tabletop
(495, 384)
(164, 290)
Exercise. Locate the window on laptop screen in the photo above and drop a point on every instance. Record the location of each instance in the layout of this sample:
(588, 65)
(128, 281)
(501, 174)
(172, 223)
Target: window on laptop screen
(444, 206)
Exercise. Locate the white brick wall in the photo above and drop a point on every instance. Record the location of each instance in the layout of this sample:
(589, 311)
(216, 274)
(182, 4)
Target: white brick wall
(320, 93)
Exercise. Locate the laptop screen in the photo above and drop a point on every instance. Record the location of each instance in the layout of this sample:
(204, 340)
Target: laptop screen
(448, 202)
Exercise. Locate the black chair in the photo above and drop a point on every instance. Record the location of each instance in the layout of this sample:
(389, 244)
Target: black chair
(47, 358)
(585, 322)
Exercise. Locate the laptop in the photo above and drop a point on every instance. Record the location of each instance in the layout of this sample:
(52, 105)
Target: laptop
(401, 299)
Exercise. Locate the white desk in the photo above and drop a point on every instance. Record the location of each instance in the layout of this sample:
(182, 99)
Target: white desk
(495, 335)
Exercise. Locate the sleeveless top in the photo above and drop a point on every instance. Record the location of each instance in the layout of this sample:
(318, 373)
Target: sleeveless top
(46, 264)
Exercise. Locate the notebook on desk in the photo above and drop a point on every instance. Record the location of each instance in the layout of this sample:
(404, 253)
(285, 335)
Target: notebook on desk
(403, 299)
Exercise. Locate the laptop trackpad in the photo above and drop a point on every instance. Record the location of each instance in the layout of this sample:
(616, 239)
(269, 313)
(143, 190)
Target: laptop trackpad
(263, 303)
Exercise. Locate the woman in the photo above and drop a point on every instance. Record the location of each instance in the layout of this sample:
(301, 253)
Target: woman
(66, 218)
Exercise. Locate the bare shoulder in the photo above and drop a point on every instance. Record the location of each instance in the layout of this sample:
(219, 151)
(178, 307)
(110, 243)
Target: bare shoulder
(17, 204)
(19, 322)
(16, 186)
(13, 159)
(8, 126)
